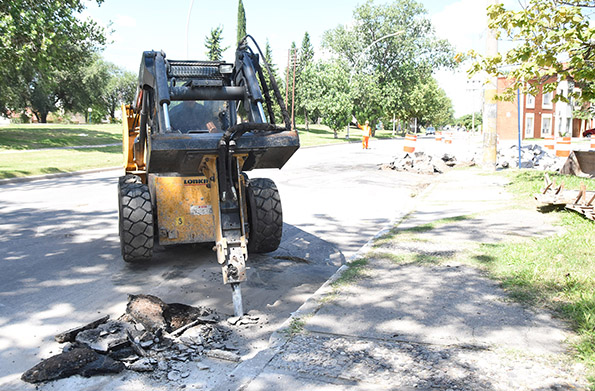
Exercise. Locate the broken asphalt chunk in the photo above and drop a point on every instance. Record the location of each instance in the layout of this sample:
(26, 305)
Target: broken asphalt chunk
(79, 361)
(70, 335)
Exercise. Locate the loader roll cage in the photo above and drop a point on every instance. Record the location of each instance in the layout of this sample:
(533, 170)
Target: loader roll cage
(187, 108)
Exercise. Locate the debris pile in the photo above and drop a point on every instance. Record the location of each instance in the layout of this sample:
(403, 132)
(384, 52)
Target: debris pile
(580, 201)
(532, 156)
(422, 163)
(152, 336)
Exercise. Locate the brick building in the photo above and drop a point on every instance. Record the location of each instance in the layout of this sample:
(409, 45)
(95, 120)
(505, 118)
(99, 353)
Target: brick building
(540, 116)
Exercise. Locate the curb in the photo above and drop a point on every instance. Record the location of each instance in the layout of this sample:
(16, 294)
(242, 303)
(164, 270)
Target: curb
(248, 370)
(7, 181)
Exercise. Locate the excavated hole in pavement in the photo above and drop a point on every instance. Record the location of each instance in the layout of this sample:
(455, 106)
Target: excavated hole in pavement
(152, 336)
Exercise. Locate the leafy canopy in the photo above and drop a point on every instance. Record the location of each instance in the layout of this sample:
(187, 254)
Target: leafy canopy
(388, 50)
(38, 41)
(554, 39)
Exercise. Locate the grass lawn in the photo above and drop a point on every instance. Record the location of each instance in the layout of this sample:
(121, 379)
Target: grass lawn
(20, 164)
(557, 272)
(34, 136)
(16, 141)
(323, 135)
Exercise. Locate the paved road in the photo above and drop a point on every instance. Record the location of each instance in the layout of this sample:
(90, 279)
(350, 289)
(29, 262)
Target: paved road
(61, 266)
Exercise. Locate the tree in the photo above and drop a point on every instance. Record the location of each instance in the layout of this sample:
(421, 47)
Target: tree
(292, 73)
(304, 57)
(213, 44)
(388, 50)
(241, 21)
(429, 104)
(554, 42)
(121, 88)
(326, 93)
(467, 120)
(37, 43)
(306, 53)
(268, 57)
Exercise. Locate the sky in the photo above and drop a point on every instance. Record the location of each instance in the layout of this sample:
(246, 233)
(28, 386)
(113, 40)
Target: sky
(162, 25)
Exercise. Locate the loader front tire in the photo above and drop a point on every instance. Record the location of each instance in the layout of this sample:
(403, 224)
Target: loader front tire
(265, 215)
(127, 180)
(135, 222)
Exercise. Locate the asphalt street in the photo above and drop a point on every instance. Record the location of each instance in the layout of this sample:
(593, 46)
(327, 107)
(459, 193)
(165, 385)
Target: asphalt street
(61, 264)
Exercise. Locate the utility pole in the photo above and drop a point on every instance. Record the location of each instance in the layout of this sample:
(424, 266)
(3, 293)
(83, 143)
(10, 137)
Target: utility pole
(490, 109)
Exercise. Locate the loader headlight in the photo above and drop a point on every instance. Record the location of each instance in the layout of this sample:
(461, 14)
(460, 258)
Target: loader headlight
(225, 69)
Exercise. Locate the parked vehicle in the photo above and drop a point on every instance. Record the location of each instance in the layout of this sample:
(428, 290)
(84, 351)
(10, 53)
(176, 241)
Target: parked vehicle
(430, 130)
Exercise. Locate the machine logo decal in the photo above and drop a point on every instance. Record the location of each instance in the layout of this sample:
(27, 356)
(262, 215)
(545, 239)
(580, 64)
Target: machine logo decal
(195, 181)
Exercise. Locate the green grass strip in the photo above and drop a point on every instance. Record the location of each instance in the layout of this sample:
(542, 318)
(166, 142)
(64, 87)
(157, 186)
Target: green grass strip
(23, 164)
(34, 136)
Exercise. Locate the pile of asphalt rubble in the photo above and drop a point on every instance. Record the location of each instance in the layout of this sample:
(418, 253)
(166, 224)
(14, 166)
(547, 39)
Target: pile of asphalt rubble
(533, 156)
(422, 163)
(149, 337)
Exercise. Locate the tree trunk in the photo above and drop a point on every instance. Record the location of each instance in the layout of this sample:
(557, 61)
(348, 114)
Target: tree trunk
(42, 117)
(306, 120)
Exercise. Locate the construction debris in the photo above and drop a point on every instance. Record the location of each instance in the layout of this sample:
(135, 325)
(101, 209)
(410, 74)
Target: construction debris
(532, 156)
(422, 163)
(70, 335)
(79, 361)
(580, 201)
(580, 163)
(150, 337)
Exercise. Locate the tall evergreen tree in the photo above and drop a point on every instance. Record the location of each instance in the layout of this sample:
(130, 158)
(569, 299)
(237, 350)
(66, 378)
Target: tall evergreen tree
(304, 58)
(268, 57)
(241, 21)
(306, 53)
(213, 44)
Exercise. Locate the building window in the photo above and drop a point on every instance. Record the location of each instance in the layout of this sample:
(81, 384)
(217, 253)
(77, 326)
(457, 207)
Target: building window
(529, 125)
(547, 100)
(530, 101)
(546, 125)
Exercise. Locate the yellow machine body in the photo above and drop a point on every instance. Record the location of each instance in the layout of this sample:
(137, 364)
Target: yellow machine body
(184, 209)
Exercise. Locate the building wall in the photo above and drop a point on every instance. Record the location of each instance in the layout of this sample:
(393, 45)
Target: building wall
(507, 114)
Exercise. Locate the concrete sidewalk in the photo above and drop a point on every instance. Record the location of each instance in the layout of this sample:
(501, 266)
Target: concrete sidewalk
(427, 322)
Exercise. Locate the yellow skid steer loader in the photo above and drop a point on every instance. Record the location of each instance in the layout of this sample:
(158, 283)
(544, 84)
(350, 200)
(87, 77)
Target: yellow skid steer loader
(196, 127)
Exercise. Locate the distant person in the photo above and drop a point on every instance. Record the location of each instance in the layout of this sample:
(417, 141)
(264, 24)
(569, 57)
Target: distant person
(366, 133)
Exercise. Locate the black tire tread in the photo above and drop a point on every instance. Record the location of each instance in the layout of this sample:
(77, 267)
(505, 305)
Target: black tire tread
(136, 222)
(265, 216)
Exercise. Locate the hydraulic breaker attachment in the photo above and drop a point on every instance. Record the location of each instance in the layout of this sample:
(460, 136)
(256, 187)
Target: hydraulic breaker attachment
(228, 201)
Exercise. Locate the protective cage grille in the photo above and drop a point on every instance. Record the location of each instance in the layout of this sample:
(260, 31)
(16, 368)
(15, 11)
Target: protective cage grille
(194, 69)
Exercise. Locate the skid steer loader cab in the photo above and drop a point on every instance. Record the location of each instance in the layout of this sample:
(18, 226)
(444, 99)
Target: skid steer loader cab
(199, 116)
(195, 129)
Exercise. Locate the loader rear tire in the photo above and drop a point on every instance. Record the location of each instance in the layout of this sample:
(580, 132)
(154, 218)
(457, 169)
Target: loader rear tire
(265, 215)
(135, 222)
